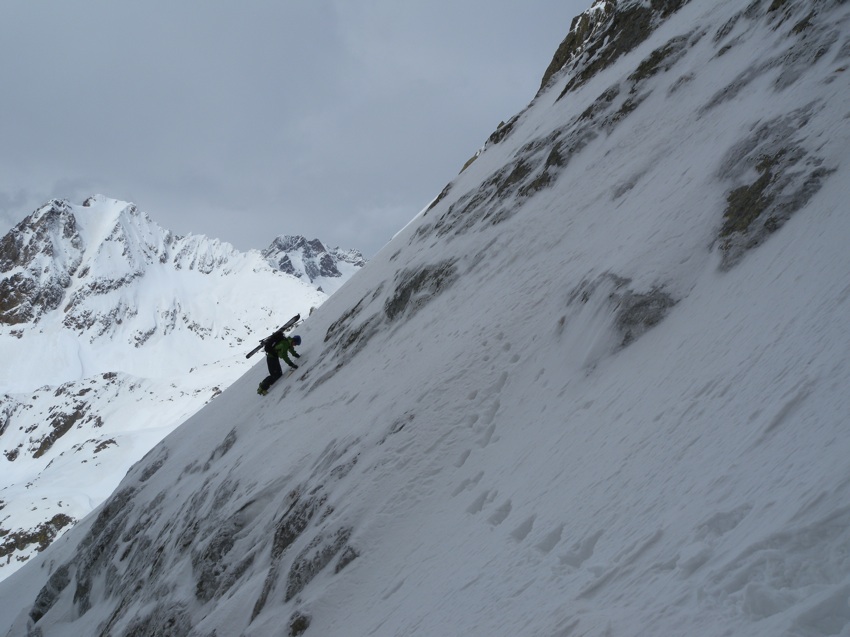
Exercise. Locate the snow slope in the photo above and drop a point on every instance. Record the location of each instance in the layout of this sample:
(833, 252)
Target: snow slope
(563, 401)
(116, 331)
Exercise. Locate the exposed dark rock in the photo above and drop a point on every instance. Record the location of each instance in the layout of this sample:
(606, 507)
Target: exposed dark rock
(271, 578)
(727, 28)
(222, 449)
(602, 104)
(104, 444)
(298, 624)
(439, 198)
(666, 8)
(318, 261)
(284, 264)
(61, 423)
(35, 289)
(8, 408)
(623, 30)
(808, 41)
(638, 312)
(154, 466)
(39, 228)
(398, 425)
(327, 266)
(348, 555)
(788, 176)
(538, 163)
(342, 324)
(42, 535)
(662, 59)
(166, 620)
(503, 130)
(604, 34)
(290, 527)
(343, 469)
(208, 562)
(312, 270)
(100, 543)
(47, 596)
(223, 493)
(581, 29)
(313, 559)
(15, 294)
(634, 312)
(349, 334)
(415, 288)
(294, 522)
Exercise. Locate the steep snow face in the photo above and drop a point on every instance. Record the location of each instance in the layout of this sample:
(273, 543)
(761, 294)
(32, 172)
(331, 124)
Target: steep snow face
(597, 388)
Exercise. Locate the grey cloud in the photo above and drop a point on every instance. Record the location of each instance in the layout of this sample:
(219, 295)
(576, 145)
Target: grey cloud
(242, 121)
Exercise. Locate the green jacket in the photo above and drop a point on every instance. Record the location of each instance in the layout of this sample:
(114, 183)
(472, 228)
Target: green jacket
(283, 347)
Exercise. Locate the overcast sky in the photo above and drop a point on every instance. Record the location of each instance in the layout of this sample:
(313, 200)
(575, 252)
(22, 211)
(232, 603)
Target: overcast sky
(338, 120)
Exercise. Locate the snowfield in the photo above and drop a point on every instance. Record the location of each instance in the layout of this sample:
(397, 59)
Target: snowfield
(116, 332)
(562, 401)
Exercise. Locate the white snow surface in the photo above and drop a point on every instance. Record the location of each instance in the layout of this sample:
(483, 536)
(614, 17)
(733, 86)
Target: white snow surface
(199, 297)
(499, 463)
(200, 304)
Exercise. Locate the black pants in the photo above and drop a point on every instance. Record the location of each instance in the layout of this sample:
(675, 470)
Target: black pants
(275, 371)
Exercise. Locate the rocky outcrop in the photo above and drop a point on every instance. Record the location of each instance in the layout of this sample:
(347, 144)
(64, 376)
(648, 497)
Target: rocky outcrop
(37, 260)
(295, 255)
(603, 34)
(12, 542)
(583, 27)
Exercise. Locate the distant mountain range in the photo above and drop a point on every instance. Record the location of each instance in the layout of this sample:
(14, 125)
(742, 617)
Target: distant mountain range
(115, 331)
(326, 268)
(599, 388)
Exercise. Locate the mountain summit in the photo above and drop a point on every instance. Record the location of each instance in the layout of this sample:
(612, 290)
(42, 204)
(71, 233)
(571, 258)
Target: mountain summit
(326, 268)
(66, 255)
(117, 291)
(598, 387)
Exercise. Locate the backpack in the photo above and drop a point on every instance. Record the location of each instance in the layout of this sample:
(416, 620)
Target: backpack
(273, 340)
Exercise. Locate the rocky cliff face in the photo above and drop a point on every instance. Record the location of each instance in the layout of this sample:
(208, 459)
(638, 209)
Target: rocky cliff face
(770, 173)
(311, 260)
(37, 260)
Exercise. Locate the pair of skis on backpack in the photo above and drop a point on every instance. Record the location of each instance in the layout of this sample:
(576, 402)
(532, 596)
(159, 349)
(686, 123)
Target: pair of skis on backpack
(273, 338)
(275, 335)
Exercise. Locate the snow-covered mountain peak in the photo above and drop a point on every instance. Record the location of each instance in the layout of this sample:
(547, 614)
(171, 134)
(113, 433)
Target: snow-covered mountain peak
(105, 288)
(104, 269)
(117, 331)
(325, 267)
(597, 388)
(64, 251)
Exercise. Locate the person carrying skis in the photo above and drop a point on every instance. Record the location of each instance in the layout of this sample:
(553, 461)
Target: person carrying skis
(275, 349)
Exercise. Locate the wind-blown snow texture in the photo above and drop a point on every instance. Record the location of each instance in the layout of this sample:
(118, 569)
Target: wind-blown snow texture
(598, 388)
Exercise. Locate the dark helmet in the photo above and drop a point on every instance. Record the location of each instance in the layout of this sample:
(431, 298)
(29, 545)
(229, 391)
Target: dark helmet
(296, 340)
